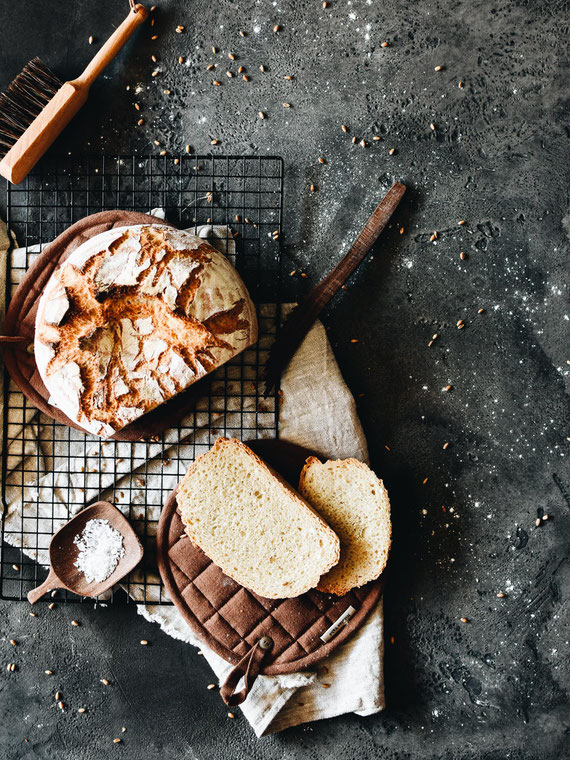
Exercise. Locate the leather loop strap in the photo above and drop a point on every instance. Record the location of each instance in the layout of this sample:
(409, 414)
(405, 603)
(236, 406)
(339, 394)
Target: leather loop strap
(248, 667)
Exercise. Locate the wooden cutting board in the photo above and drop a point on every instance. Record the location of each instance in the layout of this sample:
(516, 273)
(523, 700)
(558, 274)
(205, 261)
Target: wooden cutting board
(231, 619)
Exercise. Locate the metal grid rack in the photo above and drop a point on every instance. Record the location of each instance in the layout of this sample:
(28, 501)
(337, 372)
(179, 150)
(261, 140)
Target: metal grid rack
(50, 471)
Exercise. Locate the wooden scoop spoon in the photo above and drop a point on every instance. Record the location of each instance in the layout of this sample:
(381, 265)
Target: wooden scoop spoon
(63, 553)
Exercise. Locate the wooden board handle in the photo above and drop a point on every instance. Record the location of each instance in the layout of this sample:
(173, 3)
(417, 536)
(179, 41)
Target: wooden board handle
(103, 58)
(52, 581)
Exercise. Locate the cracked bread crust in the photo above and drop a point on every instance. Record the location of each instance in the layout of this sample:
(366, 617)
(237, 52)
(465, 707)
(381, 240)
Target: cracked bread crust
(133, 317)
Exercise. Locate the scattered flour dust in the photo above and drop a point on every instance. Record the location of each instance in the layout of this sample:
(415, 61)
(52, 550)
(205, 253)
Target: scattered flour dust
(100, 549)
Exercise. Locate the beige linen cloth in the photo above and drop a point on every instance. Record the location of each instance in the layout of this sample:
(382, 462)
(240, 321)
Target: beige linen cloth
(318, 415)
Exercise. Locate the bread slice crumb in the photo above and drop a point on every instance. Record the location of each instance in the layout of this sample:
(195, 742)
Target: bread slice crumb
(353, 501)
(252, 524)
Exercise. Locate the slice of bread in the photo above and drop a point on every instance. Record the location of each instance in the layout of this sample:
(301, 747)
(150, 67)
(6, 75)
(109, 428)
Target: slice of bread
(252, 524)
(353, 501)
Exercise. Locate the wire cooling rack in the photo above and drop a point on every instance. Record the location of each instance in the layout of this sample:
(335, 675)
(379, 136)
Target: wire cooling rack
(50, 471)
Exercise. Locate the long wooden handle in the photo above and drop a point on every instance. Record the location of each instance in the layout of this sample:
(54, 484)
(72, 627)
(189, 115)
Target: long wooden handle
(322, 293)
(103, 58)
(52, 581)
(303, 316)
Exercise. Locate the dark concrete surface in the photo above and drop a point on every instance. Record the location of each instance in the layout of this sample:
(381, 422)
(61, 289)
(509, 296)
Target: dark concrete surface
(496, 686)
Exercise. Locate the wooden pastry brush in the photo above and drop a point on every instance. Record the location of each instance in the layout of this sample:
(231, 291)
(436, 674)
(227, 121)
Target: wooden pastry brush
(37, 106)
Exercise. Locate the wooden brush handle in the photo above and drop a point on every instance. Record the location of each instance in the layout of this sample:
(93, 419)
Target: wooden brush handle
(103, 58)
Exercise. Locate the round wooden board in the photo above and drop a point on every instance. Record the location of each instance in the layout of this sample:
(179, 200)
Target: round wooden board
(229, 618)
(21, 316)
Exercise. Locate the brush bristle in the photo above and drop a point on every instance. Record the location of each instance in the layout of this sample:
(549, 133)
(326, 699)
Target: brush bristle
(24, 99)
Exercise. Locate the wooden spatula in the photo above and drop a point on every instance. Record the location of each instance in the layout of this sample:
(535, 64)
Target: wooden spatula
(36, 107)
(303, 316)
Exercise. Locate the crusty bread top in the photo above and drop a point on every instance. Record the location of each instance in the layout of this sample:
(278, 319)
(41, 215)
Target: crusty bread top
(252, 524)
(353, 501)
(134, 316)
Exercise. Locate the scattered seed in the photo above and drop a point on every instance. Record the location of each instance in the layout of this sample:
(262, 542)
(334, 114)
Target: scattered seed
(461, 222)
(176, 161)
(245, 78)
(242, 34)
(229, 74)
(117, 741)
(216, 83)
(276, 28)
(362, 143)
(463, 255)
(210, 67)
(432, 126)
(325, 685)
(15, 567)
(445, 446)
(53, 593)
(500, 595)
(144, 642)
(464, 620)
(304, 275)
(262, 68)
(154, 37)
(321, 160)
(91, 40)
(448, 388)
(214, 141)
(480, 311)
(137, 107)
(33, 614)
(435, 336)
(123, 729)
(48, 672)
(392, 151)
(187, 149)
(179, 29)
(82, 709)
(325, 4)
(214, 49)
(312, 188)
(545, 517)
(383, 44)
(231, 715)
(240, 70)
(211, 686)
(424, 481)
(344, 128)
(460, 324)
(433, 236)
(261, 115)
(162, 153)
(105, 681)
(153, 58)
(387, 447)
(460, 85)
(140, 121)
(231, 56)
(376, 138)
(354, 340)
(537, 522)
(13, 642)
(57, 696)
(288, 77)
(155, 73)
(286, 105)
(180, 59)
(438, 68)
(402, 230)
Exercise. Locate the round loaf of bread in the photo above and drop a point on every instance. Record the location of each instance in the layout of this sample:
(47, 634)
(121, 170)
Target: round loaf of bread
(134, 316)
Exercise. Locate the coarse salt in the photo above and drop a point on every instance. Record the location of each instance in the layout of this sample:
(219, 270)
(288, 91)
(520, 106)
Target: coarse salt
(100, 549)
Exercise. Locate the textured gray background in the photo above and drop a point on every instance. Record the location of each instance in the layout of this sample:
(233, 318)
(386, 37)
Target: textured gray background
(495, 687)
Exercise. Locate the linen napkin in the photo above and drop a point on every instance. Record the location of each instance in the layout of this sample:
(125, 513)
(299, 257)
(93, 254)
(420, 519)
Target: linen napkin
(319, 416)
